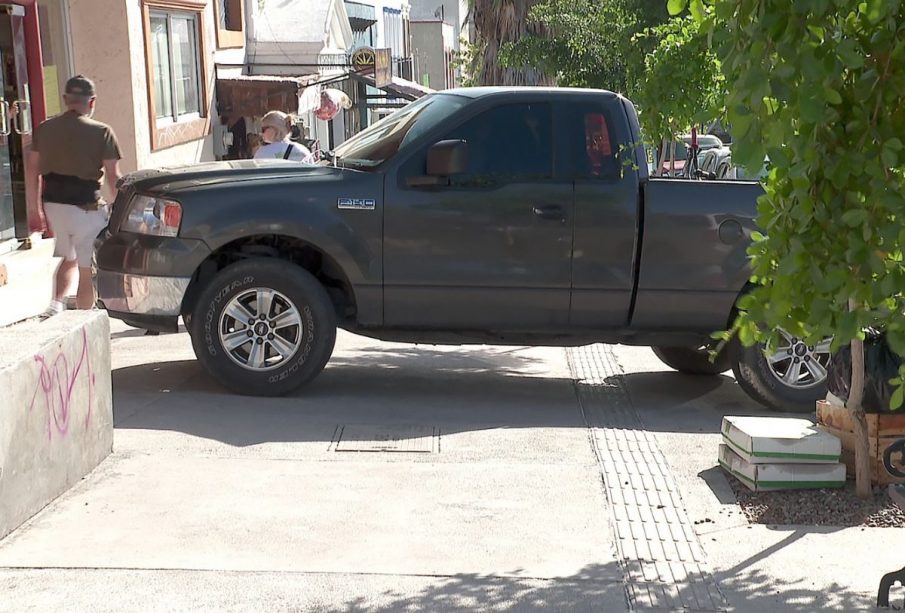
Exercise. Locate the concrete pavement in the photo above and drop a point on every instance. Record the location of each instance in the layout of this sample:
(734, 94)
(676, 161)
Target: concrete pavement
(208, 489)
(758, 567)
(218, 502)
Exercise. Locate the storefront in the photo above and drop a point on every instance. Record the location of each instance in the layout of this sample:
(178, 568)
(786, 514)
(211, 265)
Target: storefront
(358, 88)
(22, 105)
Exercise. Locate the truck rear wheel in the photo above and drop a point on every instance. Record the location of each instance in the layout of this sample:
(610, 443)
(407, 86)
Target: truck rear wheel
(790, 379)
(263, 327)
(693, 360)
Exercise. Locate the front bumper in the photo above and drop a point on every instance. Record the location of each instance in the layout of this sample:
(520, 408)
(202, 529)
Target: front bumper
(142, 280)
(141, 294)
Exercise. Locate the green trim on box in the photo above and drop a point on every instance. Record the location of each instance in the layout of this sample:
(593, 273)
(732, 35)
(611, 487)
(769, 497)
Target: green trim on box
(781, 454)
(783, 485)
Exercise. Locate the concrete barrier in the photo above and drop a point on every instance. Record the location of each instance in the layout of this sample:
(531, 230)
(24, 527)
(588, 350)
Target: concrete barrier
(56, 409)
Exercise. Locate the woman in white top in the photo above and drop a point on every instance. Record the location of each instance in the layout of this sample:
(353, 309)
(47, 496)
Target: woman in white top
(275, 129)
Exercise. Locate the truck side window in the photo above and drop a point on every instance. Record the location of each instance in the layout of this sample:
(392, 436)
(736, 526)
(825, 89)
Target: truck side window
(598, 157)
(507, 144)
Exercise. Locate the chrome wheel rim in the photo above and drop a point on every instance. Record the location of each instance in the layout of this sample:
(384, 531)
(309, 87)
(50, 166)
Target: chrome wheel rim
(799, 365)
(260, 329)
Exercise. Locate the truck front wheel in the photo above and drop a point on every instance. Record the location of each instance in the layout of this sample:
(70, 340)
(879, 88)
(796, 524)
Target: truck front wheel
(263, 327)
(790, 378)
(693, 360)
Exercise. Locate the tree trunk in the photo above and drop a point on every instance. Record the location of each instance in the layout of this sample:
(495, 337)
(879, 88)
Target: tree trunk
(496, 23)
(855, 395)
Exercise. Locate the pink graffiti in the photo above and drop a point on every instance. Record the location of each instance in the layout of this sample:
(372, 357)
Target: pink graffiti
(57, 381)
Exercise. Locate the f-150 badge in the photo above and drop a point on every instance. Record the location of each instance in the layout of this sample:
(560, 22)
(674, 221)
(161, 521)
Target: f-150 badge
(357, 203)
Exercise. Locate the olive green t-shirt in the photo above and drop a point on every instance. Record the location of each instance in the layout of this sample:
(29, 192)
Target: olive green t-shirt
(75, 145)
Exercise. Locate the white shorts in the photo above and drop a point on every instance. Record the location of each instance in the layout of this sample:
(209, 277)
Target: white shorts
(75, 230)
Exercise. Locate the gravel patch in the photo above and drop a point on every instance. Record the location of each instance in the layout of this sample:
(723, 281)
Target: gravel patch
(829, 507)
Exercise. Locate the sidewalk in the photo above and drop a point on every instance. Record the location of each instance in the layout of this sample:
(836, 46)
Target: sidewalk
(223, 502)
(510, 479)
(758, 567)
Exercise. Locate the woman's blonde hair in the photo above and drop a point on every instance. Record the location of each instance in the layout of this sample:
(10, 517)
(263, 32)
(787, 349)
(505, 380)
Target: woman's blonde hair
(279, 121)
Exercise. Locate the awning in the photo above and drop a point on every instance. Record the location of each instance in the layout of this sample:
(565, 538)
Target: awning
(255, 95)
(361, 16)
(402, 88)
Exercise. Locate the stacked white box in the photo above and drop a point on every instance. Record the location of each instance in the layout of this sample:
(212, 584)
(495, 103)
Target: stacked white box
(774, 453)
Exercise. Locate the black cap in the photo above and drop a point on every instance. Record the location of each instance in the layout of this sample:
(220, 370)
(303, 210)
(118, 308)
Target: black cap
(80, 86)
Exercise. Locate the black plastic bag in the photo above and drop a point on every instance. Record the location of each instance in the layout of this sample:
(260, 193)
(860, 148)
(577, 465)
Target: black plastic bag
(880, 365)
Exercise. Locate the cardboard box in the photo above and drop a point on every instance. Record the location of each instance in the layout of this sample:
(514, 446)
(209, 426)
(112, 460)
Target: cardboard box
(883, 429)
(769, 477)
(762, 440)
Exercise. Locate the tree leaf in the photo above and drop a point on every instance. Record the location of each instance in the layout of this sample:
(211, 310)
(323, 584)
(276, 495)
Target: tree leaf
(696, 7)
(898, 398)
(854, 217)
(676, 6)
(851, 56)
(832, 96)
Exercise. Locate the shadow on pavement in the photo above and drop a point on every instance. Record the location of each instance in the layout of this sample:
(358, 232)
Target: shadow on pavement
(716, 480)
(673, 402)
(592, 589)
(751, 589)
(456, 391)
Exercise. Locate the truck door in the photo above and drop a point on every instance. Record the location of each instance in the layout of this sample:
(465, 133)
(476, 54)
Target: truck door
(491, 250)
(607, 220)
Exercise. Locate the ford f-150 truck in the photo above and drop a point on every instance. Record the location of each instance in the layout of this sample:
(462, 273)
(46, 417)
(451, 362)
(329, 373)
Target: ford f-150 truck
(488, 215)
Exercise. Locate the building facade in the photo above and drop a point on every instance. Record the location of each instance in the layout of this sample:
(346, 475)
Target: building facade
(155, 71)
(433, 50)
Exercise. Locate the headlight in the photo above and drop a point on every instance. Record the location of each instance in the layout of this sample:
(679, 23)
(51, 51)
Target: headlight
(153, 216)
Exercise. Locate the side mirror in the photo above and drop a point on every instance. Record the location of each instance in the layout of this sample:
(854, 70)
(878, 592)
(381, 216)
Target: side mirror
(444, 159)
(447, 158)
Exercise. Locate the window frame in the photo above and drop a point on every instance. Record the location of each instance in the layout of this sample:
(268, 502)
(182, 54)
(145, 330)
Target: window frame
(190, 126)
(226, 38)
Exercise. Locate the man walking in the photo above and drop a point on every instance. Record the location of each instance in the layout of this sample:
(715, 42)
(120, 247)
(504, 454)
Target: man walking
(71, 153)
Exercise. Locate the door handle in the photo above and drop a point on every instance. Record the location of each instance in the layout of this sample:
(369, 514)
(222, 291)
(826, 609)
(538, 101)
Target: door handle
(4, 118)
(22, 123)
(553, 212)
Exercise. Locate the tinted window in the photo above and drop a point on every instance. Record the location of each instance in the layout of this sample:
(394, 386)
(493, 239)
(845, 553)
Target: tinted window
(509, 143)
(382, 140)
(594, 149)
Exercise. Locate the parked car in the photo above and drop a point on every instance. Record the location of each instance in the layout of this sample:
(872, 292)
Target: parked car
(713, 161)
(665, 152)
(464, 217)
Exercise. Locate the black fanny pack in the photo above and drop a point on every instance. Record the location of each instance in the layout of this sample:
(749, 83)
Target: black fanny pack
(67, 189)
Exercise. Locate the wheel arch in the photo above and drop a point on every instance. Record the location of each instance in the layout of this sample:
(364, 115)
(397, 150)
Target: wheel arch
(301, 252)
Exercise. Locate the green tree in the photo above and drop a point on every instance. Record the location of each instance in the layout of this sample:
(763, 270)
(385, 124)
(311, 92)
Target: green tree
(585, 43)
(817, 86)
(664, 65)
(678, 83)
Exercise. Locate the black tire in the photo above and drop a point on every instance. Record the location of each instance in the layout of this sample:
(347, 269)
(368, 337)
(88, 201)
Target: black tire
(693, 360)
(753, 374)
(310, 343)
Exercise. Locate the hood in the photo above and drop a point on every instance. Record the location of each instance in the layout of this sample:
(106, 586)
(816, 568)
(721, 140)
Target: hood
(168, 179)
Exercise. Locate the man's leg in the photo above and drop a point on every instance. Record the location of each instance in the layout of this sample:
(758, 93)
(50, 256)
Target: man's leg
(59, 218)
(66, 277)
(90, 223)
(86, 298)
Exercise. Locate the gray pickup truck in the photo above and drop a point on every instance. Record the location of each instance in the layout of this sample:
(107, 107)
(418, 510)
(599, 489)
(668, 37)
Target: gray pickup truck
(520, 216)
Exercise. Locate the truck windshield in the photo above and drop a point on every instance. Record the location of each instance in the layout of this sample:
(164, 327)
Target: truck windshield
(381, 141)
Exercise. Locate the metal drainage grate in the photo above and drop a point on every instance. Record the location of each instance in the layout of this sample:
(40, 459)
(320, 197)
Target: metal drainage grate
(375, 437)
